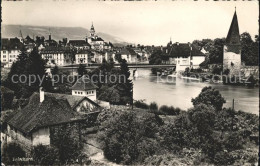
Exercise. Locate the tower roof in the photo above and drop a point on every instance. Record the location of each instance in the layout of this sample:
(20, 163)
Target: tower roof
(233, 33)
(92, 27)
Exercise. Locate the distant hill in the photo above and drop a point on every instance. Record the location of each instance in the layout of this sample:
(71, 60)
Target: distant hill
(57, 33)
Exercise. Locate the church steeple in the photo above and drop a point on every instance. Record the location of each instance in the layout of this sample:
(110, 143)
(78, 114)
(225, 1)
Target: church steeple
(233, 33)
(92, 30)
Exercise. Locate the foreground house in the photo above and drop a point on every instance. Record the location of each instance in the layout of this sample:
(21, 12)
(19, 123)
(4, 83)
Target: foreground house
(38, 121)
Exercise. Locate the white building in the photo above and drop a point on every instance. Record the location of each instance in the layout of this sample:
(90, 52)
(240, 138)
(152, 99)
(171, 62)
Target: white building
(82, 57)
(84, 87)
(10, 50)
(96, 42)
(128, 54)
(184, 55)
(57, 55)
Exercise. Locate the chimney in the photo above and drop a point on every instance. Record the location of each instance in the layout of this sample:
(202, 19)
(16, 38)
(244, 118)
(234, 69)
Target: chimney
(41, 95)
(49, 36)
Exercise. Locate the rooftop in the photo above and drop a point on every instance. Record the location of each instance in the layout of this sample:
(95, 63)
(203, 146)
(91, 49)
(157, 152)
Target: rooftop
(35, 114)
(83, 83)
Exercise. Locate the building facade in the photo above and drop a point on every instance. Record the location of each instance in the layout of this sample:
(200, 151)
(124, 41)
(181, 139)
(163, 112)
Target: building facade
(57, 55)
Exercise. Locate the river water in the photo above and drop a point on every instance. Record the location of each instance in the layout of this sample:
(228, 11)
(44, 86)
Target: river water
(178, 92)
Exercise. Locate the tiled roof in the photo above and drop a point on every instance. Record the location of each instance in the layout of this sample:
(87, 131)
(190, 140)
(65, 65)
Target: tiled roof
(97, 39)
(233, 33)
(11, 44)
(83, 83)
(35, 114)
(78, 43)
(182, 50)
(53, 49)
(72, 100)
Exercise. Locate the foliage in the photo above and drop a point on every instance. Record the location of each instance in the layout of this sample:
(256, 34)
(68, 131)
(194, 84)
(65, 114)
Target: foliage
(128, 139)
(211, 97)
(7, 97)
(44, 155)
(69, 148)
(153, 106)
(81, 70)
(234, 141)
(216, 69)
(203, 118)
(226, 72)
(55, 70)
(156, 59)
(12, 151)
(27, 65)
(117, 90)
(141, 104)
(223, 158)
(249, 52)
(169, 110)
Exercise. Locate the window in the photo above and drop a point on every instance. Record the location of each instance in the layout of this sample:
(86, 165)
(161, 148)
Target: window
(4, 52)
(92, 91)
(75, 92)
(4, 56)
(87, 93)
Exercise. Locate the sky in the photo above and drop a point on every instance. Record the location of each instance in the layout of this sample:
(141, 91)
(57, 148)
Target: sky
(145, 22)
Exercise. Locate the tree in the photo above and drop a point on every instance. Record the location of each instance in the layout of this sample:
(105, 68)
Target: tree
(156, 59)
(203, 118)
(211, 97)
(216, 51)
(55, 70)
(31, 66)
(249, 52)
(125, 87)
(11, 152)
(81, 70)
(69, 148)
(44, 155)
(127, 138)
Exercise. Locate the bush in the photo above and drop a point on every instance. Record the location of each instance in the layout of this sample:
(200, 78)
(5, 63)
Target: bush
(210, 97)
(128, 138)
(12, 151)
(153, 106)
(223, 158)
(44, 155)
(141, 104)
(164, 109)
(234, 141)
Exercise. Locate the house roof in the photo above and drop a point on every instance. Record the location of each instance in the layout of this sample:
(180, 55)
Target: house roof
(83, 83)
(35, 114)
(233, 33)
(182, 50)
(11, 44)
(78, 43)
(53, 49)
(71, 99)
(97, 39)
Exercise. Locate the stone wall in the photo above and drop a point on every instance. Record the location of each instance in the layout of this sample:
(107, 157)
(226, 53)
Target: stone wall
(231, 61)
